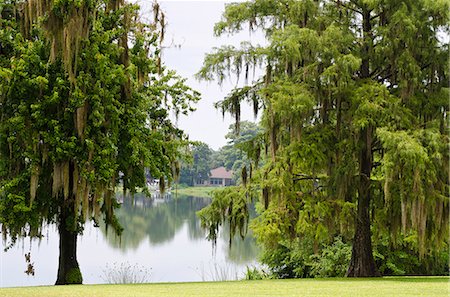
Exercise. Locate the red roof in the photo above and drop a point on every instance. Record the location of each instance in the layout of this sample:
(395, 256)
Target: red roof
(221, 172)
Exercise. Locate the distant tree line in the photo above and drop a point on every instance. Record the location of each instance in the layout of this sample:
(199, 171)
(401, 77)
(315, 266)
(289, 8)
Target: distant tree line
(201, 158)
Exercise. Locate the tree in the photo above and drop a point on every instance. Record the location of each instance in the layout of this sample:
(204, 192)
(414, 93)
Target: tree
(233, 155)
(84, 97)
(198, 171)
(355, 118)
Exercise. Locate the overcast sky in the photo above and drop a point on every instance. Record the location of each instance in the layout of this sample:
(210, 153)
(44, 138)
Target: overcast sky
(190, 23)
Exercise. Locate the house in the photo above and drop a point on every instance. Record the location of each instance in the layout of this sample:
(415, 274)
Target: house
(220, 177)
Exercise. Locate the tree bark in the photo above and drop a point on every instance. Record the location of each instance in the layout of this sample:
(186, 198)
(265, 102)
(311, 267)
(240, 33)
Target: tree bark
(68, 269)
(362, 263)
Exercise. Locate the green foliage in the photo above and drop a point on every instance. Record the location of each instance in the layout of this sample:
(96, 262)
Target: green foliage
(243, 147)
(297, 259)
(295, 44)
(233, 156)
(333, 261)
(85, 105)
(355, 130)
(230, 204)
(288, 259)
(405, 260)
(197, 169)
(228, 59)
(80, 120)
(291, 101)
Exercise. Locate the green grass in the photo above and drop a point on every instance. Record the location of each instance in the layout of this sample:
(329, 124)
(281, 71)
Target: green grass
(203, 192)
(377, 287)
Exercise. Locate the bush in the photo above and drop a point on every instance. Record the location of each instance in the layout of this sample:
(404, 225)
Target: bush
(297, 259)
(333, 261)
(288, 260)
(404, 259)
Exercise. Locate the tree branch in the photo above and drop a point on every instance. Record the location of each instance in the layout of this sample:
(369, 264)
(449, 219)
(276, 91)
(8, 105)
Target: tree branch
(375, 16)
(302, 176)
(339, 3)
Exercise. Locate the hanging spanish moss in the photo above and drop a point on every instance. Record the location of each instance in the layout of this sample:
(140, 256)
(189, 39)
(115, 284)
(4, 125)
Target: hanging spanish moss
(244, 175)
(66, 179)
(176, 168)
(66, 29)
(273, 132)
(114, 4)
(30, 11)
(34, 182)
(97, 204)
(57, 178)
(107, 198)
(75, 179)
(410, 185)
(81, 119)
(79, 196)
(85, 203)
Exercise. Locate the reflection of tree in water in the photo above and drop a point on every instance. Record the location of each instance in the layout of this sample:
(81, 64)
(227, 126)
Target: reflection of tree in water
(242, 250)
(161, 219)
(195, 232)
(157, 219)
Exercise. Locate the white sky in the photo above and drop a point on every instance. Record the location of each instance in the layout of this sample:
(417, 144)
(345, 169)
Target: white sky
(190, 23)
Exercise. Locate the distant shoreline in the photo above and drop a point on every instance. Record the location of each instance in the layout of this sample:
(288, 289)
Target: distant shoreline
(203, 192)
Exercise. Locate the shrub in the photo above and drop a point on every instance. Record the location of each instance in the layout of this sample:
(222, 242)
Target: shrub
(297, 259)
(404, 259)
(288, 259)
(333, 261)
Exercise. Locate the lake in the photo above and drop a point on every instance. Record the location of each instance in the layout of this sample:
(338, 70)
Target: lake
(162, 237)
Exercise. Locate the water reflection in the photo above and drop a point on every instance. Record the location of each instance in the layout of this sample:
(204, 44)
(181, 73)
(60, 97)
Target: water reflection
(161, 234)
(159, 219)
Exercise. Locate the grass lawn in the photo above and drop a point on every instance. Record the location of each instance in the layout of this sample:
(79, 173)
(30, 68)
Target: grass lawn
(194, 191)
(379, 287)
(202, 192)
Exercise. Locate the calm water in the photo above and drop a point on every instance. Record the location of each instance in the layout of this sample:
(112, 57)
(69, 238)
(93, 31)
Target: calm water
(161, 235)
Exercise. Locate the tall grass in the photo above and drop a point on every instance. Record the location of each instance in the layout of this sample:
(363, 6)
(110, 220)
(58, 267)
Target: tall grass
(126, 273)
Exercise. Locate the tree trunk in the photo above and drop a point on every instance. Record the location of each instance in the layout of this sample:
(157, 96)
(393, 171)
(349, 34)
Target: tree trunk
(68, 269)
(362, 263)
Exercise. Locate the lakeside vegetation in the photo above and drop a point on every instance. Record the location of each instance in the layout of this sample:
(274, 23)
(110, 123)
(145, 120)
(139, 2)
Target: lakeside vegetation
(366, 287)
